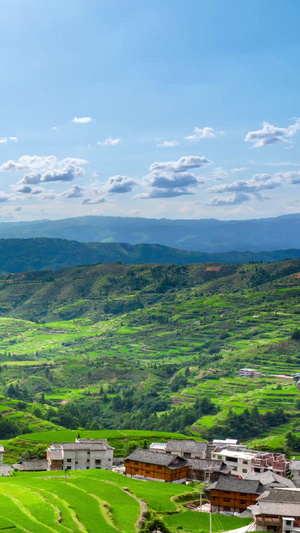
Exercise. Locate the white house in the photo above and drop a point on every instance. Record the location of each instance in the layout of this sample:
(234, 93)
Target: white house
(82, 454)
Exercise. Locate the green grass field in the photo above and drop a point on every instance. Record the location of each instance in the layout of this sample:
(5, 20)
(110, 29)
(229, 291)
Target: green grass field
(95, 500)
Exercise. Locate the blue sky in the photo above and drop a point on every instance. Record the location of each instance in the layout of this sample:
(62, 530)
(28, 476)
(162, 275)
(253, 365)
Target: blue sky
(170, 108)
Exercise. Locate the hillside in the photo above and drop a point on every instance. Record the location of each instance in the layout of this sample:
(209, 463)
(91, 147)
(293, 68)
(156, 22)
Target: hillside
(153, 347)
(25, 255)
(207, 235)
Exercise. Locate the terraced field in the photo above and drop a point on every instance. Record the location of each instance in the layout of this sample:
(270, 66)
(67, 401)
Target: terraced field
(86, 502)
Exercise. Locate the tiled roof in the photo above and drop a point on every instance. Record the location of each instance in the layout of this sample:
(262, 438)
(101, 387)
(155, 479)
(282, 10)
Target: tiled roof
(89, 445)
(270, 479)
(188, 446)
(244, 486)
(279, 495)
(39, 464)
(155, 458)
(204, 464)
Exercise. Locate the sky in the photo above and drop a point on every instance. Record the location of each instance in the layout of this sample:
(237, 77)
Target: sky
(154, 108)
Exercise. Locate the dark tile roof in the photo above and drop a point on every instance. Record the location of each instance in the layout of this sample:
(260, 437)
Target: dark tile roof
(244, 486)
(91, 445)
(155, 458)
(270, 479)
(33, 466)
(204, 464)
(188, 446)
(281, 495)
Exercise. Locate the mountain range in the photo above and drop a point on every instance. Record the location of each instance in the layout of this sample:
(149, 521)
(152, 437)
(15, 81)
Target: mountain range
(206, 235)
(25, 255)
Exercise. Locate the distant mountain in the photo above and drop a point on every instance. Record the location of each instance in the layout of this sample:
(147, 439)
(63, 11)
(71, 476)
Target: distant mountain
(198, 235)
(25, 255)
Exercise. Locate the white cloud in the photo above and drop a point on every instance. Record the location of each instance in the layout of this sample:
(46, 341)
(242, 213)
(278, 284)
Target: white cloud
(239, 169)
(75, 192)
(95, 200)
(4, 140)
(270, 134)
(219, 174)
(173, 178)
(203, 133)
(167, 144)
(257, 183)
(32, 162)
(119, 184)
(283, 164)
(14, 139)
(109, 142)
(183, 164)
(58, 174)
(82, 120)
(235, 199)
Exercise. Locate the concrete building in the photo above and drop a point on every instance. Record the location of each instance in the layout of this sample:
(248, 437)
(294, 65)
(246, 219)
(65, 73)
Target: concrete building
(249, 373)
(2, 451)
(82, 454)
(189, 449)
(242, 461)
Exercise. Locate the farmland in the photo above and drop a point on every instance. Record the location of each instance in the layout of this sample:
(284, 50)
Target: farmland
(96, 500)
(149, 347)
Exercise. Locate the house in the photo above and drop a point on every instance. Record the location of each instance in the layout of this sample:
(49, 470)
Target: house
(37, 465)
(270, 480)
(223, 443)
(233, 494)
(242, 461)
(249, 373)
(278, 510)
(158, 447)
(189, 449)
(82, 454)
(206, 470)
(2, 451)
(5, 470)
(158, 466)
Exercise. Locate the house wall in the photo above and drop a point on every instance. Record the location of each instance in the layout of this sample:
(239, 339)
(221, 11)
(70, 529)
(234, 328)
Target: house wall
(223, 500)
(85, 459)
(136, 468)
(1, 458)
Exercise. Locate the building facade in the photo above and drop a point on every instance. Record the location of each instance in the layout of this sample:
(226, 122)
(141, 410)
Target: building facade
(82, 454)
(278, 510)
(157, 466)
(233, 494)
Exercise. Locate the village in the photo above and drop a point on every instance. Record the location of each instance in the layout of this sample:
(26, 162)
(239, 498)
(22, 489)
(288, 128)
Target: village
(235, 480)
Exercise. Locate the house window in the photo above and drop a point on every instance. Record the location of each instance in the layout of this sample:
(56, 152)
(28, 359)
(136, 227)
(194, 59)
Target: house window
(186, 454)
(68, 468)
(87, 467)
(226, 499)
(76, 462)
(69, 460)
(243, 502)
(87, 460)
(245, 470)
(288, 522)
(98, 461)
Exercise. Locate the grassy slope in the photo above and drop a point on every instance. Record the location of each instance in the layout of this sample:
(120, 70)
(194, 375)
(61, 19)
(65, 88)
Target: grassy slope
(198, 316)
(43, 502)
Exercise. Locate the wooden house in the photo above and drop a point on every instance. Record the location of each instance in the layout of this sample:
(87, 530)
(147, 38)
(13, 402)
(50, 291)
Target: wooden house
(154, 465)
(234, 494)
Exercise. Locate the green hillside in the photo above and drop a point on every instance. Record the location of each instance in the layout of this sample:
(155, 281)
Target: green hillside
(151, 347)
(98, 500)
(25, 255)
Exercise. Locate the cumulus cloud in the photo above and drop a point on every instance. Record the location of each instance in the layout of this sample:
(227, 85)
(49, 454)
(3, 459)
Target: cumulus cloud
(58, 174)
(203, 133)
(120, 184)
(238, 169)
(173, 178)
(183, 164)
(235, 199)
(75, 192)
(270, 134)
(219, 174)
(290, 177)
(257, 183)
(109, 142)
(95, 200)
(167, 144)
(32, 162)
(82, 120)
(4, 197)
